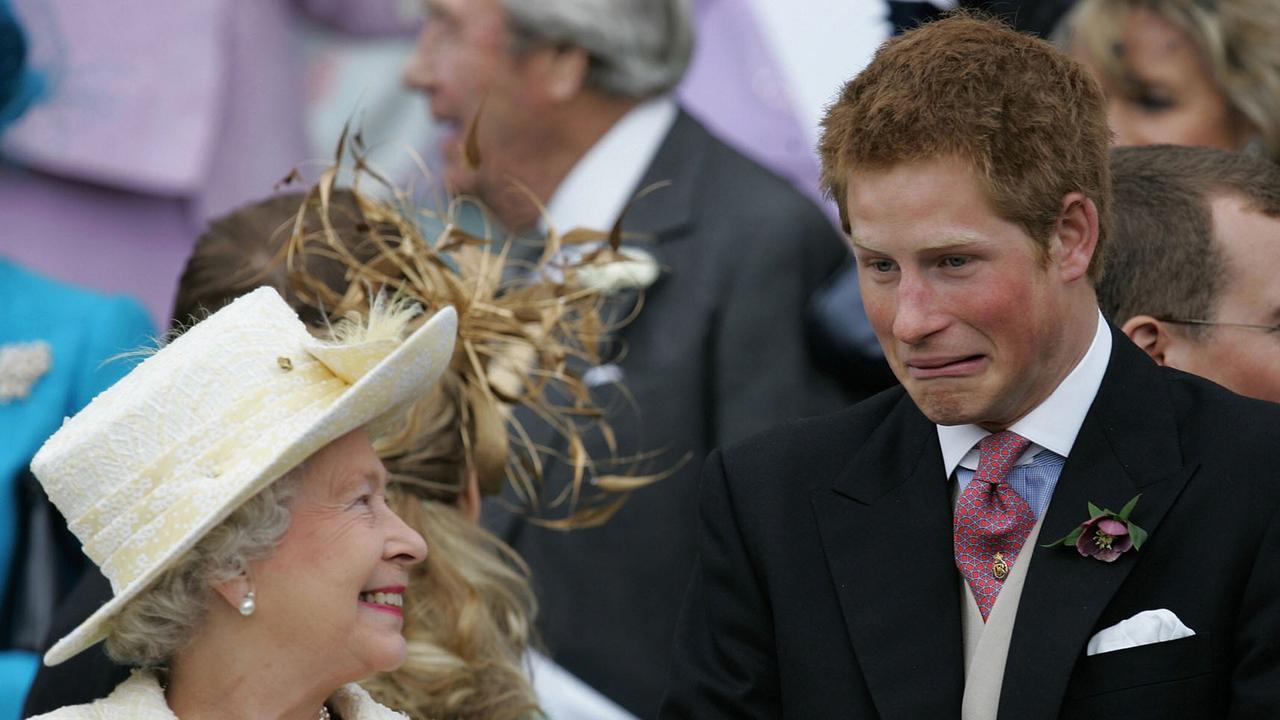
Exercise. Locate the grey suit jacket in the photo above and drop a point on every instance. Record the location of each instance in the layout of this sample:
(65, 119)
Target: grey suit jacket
(717, 353)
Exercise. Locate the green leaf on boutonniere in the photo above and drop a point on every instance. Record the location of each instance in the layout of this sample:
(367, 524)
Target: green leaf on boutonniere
(1128, 508)
(1068, 539)
(1138, 534)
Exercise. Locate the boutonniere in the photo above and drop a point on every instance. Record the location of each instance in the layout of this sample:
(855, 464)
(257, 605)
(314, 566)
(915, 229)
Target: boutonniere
(603, 263)
(1106, 535)
(629, 268)
(21, 365)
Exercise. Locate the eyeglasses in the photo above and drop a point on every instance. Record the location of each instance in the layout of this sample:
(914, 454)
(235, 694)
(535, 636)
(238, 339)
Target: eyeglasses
(1254, 326)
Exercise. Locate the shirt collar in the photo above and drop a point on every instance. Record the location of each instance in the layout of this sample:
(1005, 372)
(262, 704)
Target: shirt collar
(1054, 423)
(603, 180)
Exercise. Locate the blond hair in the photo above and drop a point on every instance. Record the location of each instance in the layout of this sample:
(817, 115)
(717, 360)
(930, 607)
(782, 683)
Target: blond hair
(468, 618)
(1236, 40)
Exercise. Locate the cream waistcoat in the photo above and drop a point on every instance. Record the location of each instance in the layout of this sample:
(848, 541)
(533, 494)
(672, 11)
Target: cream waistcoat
(986, 645)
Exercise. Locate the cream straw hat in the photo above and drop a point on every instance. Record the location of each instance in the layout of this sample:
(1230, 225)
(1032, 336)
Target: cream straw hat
(198, 428)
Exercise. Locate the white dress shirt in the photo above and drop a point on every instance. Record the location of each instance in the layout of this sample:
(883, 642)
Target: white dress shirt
(604, 180)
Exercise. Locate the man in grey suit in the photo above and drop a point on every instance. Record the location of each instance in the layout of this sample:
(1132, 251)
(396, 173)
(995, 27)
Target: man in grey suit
(574, 104)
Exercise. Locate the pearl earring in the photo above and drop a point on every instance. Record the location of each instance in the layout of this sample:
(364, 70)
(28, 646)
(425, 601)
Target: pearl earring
(248, 605)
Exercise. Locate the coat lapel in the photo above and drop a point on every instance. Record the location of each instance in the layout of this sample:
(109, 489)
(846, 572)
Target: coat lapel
(1127, 445)
(886, 533)
(663, 215)
(669, 211)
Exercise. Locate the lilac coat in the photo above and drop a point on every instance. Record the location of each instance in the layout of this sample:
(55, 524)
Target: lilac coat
(159, 116)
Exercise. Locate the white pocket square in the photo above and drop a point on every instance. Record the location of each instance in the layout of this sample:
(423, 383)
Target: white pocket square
(1145, 628)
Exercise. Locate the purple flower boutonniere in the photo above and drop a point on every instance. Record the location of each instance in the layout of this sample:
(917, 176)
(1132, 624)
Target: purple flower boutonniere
(1106, 535)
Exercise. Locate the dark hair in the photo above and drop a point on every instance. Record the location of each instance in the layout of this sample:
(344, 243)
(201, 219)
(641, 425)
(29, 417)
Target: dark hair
(1028, 120)
(1163, 260)
(247, 249)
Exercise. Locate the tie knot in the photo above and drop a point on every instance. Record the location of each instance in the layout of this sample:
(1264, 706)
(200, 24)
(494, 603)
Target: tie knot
(997, 453)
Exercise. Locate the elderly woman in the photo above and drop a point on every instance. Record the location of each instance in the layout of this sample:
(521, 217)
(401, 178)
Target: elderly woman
(229, 490)
(468, 609)
(1185, 72)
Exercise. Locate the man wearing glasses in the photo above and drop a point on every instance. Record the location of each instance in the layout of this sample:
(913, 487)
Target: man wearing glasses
(1191, 272)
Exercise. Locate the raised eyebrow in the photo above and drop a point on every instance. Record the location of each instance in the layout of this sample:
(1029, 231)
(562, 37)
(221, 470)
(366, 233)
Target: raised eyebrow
(861, 244)
(949, 246)
(954, 245)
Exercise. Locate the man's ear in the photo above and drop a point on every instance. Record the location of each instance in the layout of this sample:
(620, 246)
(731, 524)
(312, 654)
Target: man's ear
(1076, 236)
(1149, 334)
(234, 590)
(566, 72)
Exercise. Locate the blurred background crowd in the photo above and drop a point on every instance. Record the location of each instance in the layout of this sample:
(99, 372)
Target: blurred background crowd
(128, 128)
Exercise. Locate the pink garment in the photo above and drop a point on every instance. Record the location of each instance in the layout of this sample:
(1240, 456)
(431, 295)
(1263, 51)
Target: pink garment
(159, 116)
(111, 240)
(736, 87)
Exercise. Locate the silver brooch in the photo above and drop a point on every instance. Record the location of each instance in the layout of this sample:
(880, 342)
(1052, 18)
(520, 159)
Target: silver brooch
(21, 365)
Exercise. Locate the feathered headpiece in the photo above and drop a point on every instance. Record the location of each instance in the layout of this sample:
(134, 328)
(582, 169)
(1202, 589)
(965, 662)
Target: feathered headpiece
(523, 328)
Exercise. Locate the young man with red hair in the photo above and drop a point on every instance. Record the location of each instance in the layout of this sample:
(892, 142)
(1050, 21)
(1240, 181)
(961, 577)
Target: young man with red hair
(900, 559)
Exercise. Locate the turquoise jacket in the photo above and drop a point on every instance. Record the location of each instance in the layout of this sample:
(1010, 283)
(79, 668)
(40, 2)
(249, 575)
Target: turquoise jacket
(56, 344)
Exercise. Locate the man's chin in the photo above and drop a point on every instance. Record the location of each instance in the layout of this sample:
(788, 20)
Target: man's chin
(945, 408)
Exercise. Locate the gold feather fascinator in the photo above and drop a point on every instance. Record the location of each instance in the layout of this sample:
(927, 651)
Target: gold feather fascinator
(526, 331)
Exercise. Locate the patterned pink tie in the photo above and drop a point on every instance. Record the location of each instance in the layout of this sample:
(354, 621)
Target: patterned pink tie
(992, 520)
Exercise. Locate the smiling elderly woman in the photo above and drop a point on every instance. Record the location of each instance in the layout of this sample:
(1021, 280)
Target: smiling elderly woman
(228, 489)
